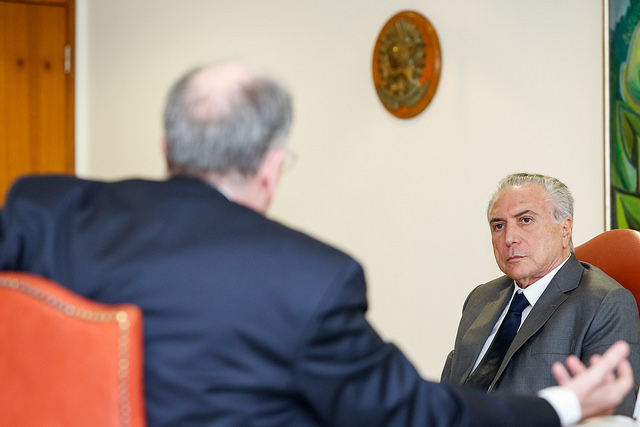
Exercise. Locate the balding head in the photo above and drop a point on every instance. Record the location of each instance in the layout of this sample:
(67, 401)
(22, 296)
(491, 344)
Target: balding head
(224, 118)
(214, 90)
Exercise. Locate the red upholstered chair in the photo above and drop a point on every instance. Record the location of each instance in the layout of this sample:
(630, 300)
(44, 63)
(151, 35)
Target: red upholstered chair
(67, 361)
(617, 253)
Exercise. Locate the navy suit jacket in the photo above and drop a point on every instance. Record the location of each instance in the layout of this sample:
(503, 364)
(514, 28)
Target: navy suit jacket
(246, 322)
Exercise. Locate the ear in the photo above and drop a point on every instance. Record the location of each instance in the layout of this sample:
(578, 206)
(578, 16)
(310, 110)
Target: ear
(163, 145)
(271, 169)
(263, 185)
(567, 229)
(165, 150)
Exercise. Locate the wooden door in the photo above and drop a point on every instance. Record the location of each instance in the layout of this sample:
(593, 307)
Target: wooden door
(36, 89)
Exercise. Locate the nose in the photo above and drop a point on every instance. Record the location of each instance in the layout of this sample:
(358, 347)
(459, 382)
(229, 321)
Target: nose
(510, 235)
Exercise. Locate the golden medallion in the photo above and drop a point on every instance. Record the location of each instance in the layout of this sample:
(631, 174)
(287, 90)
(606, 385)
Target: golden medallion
(406, 64)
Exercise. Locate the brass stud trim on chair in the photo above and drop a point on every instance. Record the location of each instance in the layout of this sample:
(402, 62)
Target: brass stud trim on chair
(118, 316)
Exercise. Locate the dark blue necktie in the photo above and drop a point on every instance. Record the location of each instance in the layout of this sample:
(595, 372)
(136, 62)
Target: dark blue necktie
(488, 367)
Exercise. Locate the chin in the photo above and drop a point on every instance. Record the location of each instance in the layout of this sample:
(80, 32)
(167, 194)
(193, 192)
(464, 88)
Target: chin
(516, 275)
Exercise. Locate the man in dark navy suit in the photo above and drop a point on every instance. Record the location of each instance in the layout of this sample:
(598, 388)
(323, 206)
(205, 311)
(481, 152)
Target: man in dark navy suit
(248, 322)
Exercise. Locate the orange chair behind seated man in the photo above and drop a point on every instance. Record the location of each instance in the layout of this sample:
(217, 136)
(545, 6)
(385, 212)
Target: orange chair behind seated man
(67, 361)
(617, 253)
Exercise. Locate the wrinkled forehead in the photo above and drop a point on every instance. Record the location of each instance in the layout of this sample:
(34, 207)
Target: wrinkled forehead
(516, 198)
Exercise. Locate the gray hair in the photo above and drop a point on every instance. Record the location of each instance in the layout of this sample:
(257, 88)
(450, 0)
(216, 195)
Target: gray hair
(209, 129)
(558, 193)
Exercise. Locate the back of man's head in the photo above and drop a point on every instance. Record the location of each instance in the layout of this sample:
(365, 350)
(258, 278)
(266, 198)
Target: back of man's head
(223, 119)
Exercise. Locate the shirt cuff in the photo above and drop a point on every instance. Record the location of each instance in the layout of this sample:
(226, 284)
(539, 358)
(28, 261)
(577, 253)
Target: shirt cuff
(564, 402)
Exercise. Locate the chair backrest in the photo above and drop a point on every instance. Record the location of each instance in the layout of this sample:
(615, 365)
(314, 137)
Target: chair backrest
(617, 253)
(66, 360)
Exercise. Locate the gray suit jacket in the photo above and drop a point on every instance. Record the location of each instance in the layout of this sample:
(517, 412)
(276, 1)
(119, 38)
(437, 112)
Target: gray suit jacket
(583, 311)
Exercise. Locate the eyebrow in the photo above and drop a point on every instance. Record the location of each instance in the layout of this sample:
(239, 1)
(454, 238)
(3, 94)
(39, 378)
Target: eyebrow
(525, 212)
(517, 215)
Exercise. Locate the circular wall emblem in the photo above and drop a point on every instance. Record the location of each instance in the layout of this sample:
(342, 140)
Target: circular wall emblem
(406, 64)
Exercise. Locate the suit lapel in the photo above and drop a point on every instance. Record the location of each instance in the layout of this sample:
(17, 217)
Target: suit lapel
(565, 280)
(478, 331)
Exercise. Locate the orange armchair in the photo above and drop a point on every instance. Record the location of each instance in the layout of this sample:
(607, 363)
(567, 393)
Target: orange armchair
(65, 360)
(617, 253)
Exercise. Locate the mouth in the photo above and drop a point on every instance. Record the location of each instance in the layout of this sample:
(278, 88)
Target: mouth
(514, 258)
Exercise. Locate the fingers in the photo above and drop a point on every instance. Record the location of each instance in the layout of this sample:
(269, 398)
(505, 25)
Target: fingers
(560, 373)
(601, 371)
(563, 374)
(575, 365)
(593, 360)
(598, 388)
(604, 397)
(625, 378)
(611, 358)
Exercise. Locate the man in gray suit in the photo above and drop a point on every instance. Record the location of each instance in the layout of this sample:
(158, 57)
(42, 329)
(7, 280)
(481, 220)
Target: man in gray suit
(566, 306)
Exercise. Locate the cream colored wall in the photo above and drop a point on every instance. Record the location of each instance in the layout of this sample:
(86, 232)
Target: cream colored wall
(521, 90)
